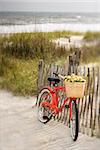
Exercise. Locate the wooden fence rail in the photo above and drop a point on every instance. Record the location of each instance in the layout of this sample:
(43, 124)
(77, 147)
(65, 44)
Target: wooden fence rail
(89, 106)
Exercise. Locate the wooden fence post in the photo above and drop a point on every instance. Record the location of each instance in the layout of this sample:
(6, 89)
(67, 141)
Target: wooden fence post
(40, 73)
(98, 104)
(74, 61)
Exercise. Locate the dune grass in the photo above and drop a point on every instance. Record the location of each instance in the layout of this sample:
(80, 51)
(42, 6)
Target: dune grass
(91, 54)
(19, 75)
(90, 36)
(20, 53)
(30, 46)
(19, 56)
(64, 34)
(91, 50)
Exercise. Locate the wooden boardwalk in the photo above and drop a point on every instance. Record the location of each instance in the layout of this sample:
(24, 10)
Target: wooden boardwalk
(20, 129)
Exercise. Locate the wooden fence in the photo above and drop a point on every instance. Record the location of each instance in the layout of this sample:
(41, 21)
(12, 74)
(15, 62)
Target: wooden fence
(89, 106)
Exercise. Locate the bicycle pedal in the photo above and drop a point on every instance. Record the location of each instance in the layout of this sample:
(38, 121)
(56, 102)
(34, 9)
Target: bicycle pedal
(66, 106)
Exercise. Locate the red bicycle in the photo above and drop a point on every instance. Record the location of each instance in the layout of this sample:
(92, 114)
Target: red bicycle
(48, 104)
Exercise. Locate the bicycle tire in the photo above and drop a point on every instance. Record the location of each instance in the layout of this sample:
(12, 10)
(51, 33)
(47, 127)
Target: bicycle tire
(74, 122)
(44, 116)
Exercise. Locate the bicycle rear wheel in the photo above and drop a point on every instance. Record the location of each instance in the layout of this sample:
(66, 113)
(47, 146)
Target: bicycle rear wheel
(44, 114)
(74, 121)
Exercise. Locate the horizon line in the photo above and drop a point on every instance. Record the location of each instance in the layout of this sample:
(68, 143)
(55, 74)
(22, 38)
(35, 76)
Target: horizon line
(50, 11)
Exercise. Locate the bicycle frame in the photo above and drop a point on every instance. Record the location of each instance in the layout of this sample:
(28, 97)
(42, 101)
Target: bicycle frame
(54, 102)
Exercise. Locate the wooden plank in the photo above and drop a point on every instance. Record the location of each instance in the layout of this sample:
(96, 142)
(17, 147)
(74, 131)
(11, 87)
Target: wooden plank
(63, 113)
(81, 106)
(66, 116)
(95, 96)
(60, 70)
(66, 64)
(70, 65)
(89, 105)
(66, 110)
(81, 101)
(87, 100)
(92, 96)
(86, 103)
(54, 68)
(40, 73)
(98, 105)
(46, 74)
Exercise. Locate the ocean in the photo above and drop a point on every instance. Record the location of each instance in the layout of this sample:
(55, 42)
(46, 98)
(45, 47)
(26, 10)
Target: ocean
(14, 22)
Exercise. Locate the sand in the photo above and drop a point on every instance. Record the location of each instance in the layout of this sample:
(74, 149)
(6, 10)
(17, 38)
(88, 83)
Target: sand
(71, 41)
(21, 130)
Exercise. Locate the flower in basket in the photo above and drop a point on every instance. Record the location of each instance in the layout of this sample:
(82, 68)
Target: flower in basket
(74, 78)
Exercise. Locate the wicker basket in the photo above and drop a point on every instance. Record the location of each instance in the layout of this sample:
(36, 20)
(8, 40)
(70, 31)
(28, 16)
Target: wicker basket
(75, 89)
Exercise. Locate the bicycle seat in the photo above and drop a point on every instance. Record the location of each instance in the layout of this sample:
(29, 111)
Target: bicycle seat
(51, 79)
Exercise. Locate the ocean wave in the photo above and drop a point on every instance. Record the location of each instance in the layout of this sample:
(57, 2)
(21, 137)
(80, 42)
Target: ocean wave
(48, 27)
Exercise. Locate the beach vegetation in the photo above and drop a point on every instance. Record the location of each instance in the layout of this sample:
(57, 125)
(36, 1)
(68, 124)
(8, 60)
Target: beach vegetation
(91, 54)
(91, 36)
(20, 53)
(19, 56)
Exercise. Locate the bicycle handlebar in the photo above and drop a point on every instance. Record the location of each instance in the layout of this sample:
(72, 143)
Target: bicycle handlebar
(59, 75)
(56, 74)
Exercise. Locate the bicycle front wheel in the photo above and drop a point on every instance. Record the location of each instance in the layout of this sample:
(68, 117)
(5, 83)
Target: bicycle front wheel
(74, 121)
(44, 114)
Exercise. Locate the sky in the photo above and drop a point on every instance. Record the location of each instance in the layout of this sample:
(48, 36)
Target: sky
(51, 5)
